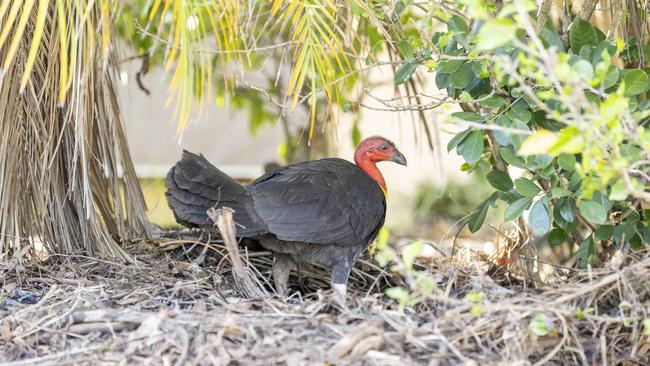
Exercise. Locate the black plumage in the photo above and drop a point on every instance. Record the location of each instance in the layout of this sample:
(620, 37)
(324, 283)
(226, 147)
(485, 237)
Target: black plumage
(324, 211)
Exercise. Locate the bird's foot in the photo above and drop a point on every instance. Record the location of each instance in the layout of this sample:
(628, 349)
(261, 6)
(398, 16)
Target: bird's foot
(340, 294)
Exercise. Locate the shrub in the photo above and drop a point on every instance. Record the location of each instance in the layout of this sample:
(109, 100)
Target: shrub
(569, 109)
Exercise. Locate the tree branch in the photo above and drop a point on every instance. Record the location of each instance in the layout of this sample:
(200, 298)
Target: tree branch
(542, 14)
(588, 8)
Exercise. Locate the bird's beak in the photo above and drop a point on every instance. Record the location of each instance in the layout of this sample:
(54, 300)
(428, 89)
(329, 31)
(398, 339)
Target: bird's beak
(398, 158)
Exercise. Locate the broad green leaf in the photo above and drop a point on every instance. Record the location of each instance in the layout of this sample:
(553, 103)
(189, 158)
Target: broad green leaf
(565, 210)
(517, 208)
(636, 82)
(539, 218)
(526, 187)
(449, 66)
(604, 232)
(510, 157)
(548, 172)
(631, 152)
(612, 77)
(584, 69)
(520, 114)
(473, 147)
(593, 211)
(457, 139)
(435, 38)
(581, 33)
(406, 49)
(518, 139)
(567, 162)
(569, 227)
(468, 116)
(624, 232)
(493, 102)
(495, 33)
(460, 78)
(619, 191)
(574, 181)
(602, 199)
(499, 180)
(477, 218)
(460, 28)
(540, 142)
(405, 71)
(586, 252)
(643, 105)
(538, 163)
(480, 69)
(557, 236)
(552, 39)
(442, 80)
(503, 138)
(559, 192)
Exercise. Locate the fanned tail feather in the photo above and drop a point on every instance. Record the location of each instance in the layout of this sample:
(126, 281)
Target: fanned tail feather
(194, 186)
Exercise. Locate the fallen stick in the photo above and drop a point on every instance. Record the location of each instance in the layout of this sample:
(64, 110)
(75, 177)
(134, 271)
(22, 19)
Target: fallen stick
(245, 281)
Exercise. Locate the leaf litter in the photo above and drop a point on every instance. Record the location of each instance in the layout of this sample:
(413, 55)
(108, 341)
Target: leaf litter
(178, 304)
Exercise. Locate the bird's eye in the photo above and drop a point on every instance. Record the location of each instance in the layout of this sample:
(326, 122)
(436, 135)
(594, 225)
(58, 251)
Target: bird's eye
(383, 147)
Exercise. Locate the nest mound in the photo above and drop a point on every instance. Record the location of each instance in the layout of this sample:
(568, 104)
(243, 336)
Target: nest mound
(178, 305)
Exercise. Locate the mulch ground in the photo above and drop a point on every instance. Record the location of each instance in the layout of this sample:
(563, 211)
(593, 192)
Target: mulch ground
(178, 305)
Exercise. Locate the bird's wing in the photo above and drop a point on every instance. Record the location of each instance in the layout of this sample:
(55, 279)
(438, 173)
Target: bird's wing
(328, 201)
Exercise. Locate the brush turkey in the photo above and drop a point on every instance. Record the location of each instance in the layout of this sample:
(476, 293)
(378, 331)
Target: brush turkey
(324, 211)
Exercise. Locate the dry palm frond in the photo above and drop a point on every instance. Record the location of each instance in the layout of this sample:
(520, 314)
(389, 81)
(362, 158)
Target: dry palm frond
(66, 178)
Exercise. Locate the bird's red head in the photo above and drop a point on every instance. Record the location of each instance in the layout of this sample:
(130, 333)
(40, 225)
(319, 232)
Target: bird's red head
(373, 150)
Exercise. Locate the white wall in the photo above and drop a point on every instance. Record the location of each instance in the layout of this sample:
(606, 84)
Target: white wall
(221, 135)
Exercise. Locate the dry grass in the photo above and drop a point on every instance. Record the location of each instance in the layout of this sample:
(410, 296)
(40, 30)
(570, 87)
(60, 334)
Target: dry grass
(176, 305)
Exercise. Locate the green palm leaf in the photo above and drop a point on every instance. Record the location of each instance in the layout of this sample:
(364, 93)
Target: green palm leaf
(317, 40)
(188, 40)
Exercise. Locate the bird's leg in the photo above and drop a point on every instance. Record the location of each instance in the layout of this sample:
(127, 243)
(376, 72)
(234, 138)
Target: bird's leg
(339, 281)
(281, 270)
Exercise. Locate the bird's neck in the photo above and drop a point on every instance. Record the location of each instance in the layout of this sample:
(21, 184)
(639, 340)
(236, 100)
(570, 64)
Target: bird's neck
(371, 169)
